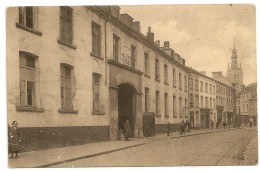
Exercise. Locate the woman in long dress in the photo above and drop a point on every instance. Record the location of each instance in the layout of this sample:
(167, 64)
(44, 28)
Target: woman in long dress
(14, 139)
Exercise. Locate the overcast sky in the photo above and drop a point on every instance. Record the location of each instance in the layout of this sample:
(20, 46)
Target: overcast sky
(204, 34)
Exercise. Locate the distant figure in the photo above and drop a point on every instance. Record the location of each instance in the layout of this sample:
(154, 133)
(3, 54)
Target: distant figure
(14, 139)
(182, 127)
(212, 124)
(168, 129)
(224, 124)
(250, 124)
(187, 126)
(127, 129)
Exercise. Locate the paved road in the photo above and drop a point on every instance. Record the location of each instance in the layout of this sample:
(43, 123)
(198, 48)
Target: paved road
(220, 148)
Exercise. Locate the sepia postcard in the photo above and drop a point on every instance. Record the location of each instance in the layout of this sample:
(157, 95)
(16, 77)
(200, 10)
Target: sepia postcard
(131, 85)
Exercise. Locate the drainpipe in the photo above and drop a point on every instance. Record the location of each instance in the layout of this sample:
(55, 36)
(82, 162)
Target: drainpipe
(106, 52)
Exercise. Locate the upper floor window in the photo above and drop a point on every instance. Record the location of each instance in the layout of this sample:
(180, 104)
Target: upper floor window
(146, 63)
(26, 16)
(214, 90)
(27, 79)
(201, 86)
(180, 81)
(157, 70)
(165, 73)
(116, 47)
(66, 25)
(174, 77)
(96, 39)
(191, 84)
(196, 85)
(210, 89)
(133, 56)
(185, 83)
(206, 87)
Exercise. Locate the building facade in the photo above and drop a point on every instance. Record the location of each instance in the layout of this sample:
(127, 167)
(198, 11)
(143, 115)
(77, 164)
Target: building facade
(68, 85)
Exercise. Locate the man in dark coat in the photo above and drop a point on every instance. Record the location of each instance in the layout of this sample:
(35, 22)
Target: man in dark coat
(168, 129)
(14, 139)
(127, 129)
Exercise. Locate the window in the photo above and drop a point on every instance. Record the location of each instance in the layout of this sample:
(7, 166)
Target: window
(186, 108)
(180, 106)
(201, 86)
(146, 99)
(214, 104)
(115, 47)
(174, 106)
(157, 70)
(66, 25)
(206, 87)
(165, 73)
(96, 39)
(201, 102)
(210, 103)
(27, 79)
(157, 103)
(206, 102)
(213, 90)
(133, 54)
(96, 92)
(210, 88)
(196, 101)
(180, 81)
(66, 99)
(196, 85)
(191, 83)
(26, 17)
(185, 83)
(191, 101)
(174, 77)
(146, 63)
(166, 105)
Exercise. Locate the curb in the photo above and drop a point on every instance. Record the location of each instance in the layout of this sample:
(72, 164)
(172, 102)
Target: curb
(180, 136)
(87, 156)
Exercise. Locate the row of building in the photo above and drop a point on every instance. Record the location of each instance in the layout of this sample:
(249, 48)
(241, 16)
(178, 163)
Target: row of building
(75, 74)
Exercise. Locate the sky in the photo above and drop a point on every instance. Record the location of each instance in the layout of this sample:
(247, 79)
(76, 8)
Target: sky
(204, 35)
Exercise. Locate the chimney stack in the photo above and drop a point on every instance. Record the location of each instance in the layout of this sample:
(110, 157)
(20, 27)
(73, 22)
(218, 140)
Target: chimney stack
(166, 44)
(150, 35)
(157, 43)
(136, 26)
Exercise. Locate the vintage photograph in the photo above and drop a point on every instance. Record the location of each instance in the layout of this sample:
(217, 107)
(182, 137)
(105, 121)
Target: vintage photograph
(131, 85)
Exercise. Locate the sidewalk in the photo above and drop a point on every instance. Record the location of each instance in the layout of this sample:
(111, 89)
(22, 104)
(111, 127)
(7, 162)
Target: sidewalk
(49, 157)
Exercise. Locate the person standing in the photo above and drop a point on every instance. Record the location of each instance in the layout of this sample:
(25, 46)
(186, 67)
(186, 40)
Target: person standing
(14, 139)
(168, 129)
(127, 129)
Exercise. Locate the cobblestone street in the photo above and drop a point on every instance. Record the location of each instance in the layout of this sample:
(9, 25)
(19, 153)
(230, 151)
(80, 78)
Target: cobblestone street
(220, 148)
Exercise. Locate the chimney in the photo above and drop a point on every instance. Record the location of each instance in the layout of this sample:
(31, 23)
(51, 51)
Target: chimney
(166, 44)
(157, 43)
(136, 26)
(126, 19)
(150, 35)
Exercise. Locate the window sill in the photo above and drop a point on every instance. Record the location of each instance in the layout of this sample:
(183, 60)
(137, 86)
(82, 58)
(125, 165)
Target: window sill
(158, 116)
(174, 86)
(180, 117)
(166, 116)
(180, 88)
(66, 44)
(174, 116)
(99, 57)
(21, 26)
(29, 109)
(166, 83)
(68, 111)
(147, 76)
(98, 113)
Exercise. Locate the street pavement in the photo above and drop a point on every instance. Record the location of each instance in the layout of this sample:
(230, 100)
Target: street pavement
(160, 150)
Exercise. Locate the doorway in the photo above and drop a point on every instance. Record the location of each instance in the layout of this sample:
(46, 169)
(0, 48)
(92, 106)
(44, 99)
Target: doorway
(126, 106)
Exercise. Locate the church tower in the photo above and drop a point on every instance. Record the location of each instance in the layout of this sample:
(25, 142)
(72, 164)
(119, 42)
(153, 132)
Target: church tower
(235, 72)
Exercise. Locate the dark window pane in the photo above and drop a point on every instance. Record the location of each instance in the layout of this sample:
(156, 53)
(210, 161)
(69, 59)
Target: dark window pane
(29, 17)
(30, 62)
